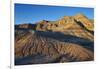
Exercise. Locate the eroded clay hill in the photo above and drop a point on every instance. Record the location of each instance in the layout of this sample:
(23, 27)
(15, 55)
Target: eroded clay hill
(33, 48)
(68, 39)
(78, 25)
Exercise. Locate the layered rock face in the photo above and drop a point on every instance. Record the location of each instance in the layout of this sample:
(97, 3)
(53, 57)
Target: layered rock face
(78, 25)
(68, 39)
(85, 21)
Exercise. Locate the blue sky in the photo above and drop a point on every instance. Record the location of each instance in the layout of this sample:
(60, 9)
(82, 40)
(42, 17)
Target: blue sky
(30, 13)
